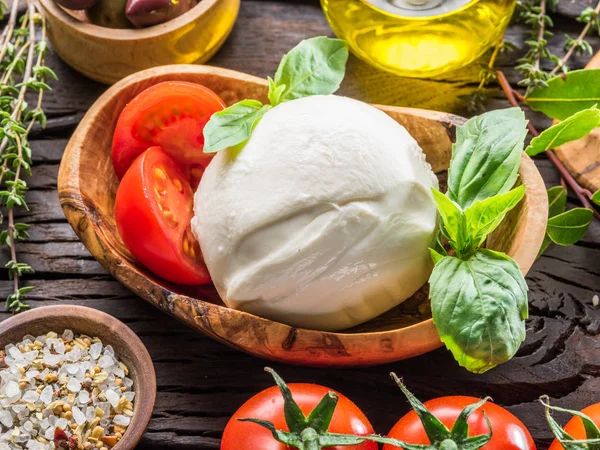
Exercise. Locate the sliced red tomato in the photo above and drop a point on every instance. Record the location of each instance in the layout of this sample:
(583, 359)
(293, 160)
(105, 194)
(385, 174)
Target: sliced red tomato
(575, 427)
(171, 115)
(153, 210)
(268, 405)
(508, 432)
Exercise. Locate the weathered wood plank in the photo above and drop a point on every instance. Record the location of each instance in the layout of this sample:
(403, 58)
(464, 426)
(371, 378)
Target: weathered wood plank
(202, 382)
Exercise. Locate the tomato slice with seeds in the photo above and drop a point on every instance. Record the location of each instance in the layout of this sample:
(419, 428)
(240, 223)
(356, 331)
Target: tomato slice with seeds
(171, 115)
(153, 210)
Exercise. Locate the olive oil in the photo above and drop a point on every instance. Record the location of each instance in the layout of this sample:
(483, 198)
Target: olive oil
(419, 38)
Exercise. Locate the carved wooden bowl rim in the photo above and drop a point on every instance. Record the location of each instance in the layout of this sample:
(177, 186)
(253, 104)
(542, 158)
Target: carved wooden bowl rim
(128, 348)
(244, 331)
(133, 34)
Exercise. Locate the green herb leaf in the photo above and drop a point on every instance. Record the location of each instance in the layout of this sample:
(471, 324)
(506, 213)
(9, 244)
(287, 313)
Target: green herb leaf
(486, 156)
(435, 255)
(569, 227)
(557, 200)
(484, 216)
(479, 307)
(233, 125)
(275, 91)
(454, 226)
(573, 128)
(565, 96)
(314, 67)
(596, 197)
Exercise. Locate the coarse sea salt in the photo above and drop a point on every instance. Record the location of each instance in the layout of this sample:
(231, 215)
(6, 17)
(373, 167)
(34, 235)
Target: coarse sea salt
(62, 381)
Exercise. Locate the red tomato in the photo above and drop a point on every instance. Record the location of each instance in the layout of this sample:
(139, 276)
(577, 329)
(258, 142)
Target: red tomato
(509, 433)
(171, 115)
(268, 405)
(153, 210)
(575, 426)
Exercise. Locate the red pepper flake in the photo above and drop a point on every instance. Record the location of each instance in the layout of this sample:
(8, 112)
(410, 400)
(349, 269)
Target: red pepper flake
(60, 438)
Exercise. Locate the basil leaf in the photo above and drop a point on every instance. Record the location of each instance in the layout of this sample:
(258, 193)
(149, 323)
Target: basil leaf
(571, 129)
(484, 216)
(479, 307)
(596, 197)
(314, 67)
(569, 227)
(567, 95)
(454, 226)
(436, 256)
(275, 91)
(486, 156)
(233, 125)
(557, 200)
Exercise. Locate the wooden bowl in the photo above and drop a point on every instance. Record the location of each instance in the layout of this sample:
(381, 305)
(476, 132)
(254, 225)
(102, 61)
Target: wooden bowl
(128, 348)
(108, 55)
(87, 186)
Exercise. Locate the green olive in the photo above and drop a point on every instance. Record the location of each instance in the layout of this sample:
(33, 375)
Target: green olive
(109, 13)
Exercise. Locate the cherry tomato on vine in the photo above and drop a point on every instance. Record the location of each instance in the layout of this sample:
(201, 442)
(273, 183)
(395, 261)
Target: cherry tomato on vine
(508, 432)
(153, 210)
(268, 405)
(171, 115)
(575, 427)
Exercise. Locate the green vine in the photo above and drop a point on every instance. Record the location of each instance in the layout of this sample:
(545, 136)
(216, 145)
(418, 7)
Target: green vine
(23, 47)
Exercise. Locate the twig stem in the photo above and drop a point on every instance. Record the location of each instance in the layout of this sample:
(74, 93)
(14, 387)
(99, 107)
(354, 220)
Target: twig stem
(582, 35)
(582, 194)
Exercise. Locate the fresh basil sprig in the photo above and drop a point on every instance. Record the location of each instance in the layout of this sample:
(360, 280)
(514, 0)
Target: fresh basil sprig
(479, 306)
(486, 156)
(564, 227)
(479, 296)
(314, 67)
(573, 128)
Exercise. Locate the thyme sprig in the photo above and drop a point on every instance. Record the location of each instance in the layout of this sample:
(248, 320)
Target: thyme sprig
(536, 14)
(579, 46)
(23, 47)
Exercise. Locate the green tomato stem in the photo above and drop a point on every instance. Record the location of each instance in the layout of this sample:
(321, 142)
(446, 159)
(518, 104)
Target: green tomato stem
(310, 439)
(448, 444)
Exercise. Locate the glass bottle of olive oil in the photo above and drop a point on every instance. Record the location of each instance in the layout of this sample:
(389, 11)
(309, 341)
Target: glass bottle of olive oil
(419, 38)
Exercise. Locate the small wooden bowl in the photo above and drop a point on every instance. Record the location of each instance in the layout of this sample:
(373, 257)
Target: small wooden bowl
(108, 55)
(87, 186)
(128, 348)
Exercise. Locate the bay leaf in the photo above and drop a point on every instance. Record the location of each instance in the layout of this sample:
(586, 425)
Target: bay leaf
(567, 95)
(573, 128)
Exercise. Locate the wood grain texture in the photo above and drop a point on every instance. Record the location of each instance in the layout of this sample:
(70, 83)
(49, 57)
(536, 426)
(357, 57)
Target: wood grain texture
(202, 382)
(582, 157)
(91, 322)
(87, 187)
(108, 55)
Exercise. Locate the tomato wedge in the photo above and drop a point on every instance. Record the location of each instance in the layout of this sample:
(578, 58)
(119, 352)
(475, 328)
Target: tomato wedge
(171, 115)
(153, 210)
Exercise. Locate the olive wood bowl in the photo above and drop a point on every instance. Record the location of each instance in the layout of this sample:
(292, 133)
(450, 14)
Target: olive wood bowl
(87, 185)
(108, 55)
(91, 322)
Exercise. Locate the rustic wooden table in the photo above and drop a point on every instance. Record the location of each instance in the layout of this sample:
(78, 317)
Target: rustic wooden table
(202, 382)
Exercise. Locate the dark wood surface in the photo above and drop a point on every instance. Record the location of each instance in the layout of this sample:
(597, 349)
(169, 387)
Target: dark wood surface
(202, 382)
